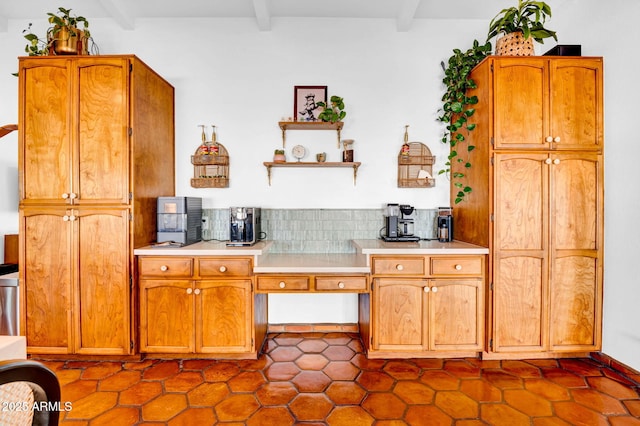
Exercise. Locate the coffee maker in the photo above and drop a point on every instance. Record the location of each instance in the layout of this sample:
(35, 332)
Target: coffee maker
(445, 224)
(399, 223)
(179, 220)
(244, 226)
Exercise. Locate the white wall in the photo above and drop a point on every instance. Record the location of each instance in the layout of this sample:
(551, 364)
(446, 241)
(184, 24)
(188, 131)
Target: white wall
(228, 73)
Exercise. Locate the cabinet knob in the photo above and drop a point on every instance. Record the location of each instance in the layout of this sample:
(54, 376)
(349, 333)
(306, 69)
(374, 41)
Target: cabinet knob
(426, 290)
(196, 291)
(547, 161)
(72, 218)
(164, 268)
(399, 267)
(458, 267)
(341, 285)
(282, 284)
(65, 196)
(434, 289)
(189, 290)
(223, 268)
(549, 139)
(65, 218)
(73, 196)
(556, 161)
(556, 139)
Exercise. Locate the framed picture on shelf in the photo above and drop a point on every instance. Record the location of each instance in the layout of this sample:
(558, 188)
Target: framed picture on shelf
(305, 100)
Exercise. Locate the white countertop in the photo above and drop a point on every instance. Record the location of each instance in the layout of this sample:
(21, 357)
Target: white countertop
(205, 248)
(343, 263)
(421, 247)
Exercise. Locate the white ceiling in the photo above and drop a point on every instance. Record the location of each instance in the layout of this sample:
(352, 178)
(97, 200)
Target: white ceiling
(125, 12)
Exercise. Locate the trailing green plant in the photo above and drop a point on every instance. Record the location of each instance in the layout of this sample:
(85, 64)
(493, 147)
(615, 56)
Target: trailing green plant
(278, 152)
(333, 113)
(529, 17)
(60, 21)
(457, 109)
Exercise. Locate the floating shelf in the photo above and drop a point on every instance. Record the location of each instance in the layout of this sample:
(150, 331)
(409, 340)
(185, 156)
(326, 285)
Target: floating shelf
(354, 166)
(309, 125)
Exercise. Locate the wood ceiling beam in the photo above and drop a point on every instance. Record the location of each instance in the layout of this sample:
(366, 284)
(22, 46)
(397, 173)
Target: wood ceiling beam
(406, 13)
(262, 15)
(115, 8)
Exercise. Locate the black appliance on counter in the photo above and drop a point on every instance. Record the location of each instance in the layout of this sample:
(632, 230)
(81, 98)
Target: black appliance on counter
(179, 220)
(244, 226)
(445, 224)
(399, 223)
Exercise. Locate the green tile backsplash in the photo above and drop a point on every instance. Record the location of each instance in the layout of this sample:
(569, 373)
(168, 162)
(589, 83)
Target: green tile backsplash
(317, 230)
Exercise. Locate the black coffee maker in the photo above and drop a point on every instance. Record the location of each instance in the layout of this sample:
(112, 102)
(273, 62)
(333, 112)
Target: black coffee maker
(445, 224)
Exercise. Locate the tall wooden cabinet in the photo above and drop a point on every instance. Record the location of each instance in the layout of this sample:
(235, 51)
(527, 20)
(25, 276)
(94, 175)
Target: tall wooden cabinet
(537, 202)
(96, 147)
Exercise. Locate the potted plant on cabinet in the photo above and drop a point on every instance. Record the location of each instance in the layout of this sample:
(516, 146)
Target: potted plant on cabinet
(519, 25)
(64, 37)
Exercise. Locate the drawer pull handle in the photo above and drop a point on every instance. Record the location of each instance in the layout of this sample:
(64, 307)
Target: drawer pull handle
(399, 267)
(164, 268)
(458, 267)
(340, 285)
(282, 284)
(434, 289)
(189, 290)
(223, 268)
(196, 291)
(426, 289)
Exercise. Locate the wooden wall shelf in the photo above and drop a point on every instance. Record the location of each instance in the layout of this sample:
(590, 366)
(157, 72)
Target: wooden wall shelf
(309, 125)
(269, 165)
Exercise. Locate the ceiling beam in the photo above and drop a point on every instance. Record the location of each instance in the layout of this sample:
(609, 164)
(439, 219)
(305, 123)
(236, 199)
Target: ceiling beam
(406, 13)
(116, 10)
(262, 15)
(4, 24)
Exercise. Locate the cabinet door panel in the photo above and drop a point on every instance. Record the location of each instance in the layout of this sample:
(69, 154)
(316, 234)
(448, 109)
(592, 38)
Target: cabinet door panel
(576, 103)
(45, 154)
(520, 111)
(521, 187)
(103, 282)
(46, 280)
(102, 139)
(399, 314)
(166, 316)
(455, 314)
(223, 316)
(574, 301)
(519, 301)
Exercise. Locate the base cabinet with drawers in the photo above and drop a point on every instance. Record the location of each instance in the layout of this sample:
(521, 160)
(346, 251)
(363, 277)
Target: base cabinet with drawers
(424, 306)
(203, 306)
(291, 283)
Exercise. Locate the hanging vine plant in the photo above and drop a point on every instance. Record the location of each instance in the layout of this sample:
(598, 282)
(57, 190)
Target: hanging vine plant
(456, 110)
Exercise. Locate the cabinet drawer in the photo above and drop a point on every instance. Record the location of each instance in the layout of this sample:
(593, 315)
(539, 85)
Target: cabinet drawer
(398, 265)
(341, 283)
(467, 265)
(283, 283)
(225, 267)
(173, 267)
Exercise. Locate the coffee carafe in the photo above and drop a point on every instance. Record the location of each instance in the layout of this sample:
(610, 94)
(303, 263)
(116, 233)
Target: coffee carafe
(406, 222)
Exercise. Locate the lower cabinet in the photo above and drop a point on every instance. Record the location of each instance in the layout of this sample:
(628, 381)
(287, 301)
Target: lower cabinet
(202, 306)
(424, 306)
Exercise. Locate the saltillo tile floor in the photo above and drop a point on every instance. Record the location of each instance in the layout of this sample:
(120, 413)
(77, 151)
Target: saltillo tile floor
(325, 379)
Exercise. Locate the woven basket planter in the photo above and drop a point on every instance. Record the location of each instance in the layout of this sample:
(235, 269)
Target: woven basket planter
(514, 44)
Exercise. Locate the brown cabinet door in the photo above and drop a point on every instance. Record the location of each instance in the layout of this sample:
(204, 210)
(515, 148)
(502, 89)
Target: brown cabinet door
(101, 172)
(46, 280)
(45, 153)
(224, 313)
(577, 238)
(166, 316)
(520, 252)
(456, 316)
(102, 305)
(576, 102)
(399, 314)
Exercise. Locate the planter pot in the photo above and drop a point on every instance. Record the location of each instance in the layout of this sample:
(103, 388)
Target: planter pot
(279, 158)
(65, 43)
(514, 44)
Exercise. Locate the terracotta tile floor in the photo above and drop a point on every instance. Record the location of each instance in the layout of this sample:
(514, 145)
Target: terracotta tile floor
(325, 379)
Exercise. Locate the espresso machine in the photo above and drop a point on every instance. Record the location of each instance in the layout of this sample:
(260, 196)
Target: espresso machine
(399, 223)
(244, 226)
(179, 220)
